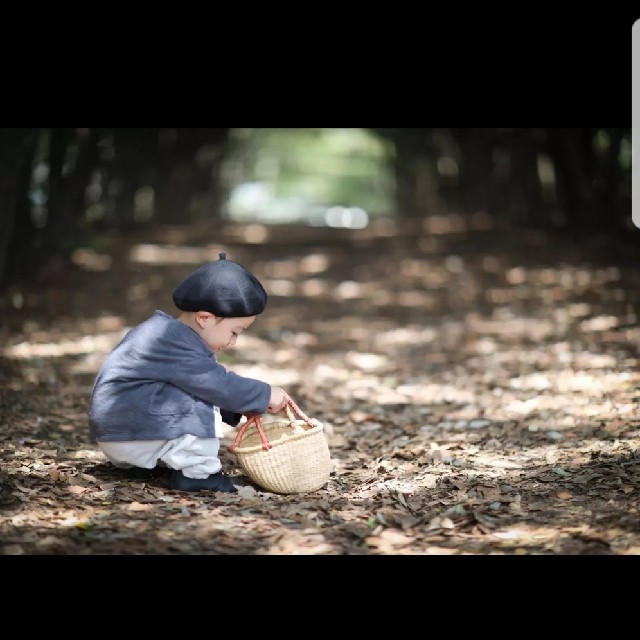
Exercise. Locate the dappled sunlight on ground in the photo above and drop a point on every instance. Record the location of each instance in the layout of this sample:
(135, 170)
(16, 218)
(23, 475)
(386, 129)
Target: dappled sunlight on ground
(482, 385)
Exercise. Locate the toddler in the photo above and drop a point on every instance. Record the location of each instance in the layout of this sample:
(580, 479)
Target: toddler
(161, 395)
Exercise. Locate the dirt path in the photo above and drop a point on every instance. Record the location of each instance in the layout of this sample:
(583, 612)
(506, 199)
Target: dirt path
(481, 386)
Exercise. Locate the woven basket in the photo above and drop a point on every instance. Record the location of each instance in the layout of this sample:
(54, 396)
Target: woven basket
(286, 455)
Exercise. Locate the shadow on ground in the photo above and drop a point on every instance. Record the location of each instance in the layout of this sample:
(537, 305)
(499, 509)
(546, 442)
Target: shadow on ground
(481, 385)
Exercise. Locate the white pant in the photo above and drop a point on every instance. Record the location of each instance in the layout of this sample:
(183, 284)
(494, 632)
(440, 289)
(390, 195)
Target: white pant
(195, 457)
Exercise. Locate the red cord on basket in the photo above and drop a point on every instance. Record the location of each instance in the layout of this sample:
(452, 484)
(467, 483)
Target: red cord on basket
(257, 421)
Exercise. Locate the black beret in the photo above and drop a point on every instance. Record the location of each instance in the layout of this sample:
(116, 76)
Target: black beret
(224, 288)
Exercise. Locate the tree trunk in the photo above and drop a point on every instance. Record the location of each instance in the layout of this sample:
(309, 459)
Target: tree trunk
(572, 156)
(17, 149)
(476, 176)
(175, 176)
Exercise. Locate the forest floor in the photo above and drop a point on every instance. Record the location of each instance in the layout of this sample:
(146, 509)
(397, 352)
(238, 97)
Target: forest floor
(479, 386)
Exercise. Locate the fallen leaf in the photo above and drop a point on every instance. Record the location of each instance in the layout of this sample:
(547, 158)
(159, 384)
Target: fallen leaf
(137, 506)
(395, 537)
(76, 489)
(247, 492)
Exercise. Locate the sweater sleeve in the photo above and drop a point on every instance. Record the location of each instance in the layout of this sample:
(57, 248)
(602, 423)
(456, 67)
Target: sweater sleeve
(193, 368)
(225, 389)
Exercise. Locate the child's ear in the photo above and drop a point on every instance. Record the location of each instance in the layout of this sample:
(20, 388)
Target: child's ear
(202, 317)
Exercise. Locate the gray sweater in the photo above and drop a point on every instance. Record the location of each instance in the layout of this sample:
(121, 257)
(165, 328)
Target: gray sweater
(162, 381)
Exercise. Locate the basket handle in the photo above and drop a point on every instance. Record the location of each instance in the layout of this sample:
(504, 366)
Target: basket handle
(290, 407)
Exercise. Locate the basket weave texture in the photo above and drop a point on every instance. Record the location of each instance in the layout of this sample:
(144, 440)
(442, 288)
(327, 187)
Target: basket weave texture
(284, 456)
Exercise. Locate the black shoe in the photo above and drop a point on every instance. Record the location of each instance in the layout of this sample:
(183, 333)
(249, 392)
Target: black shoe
(214, 482)
(140, 473)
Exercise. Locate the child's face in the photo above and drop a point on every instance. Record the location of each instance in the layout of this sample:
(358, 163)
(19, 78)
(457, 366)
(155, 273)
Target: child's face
(222, 333)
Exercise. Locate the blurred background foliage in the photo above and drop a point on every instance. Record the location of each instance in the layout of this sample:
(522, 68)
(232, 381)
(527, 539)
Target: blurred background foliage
(62, 189)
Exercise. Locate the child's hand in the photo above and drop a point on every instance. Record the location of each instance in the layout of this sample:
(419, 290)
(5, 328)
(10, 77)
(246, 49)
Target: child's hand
(278, 399)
